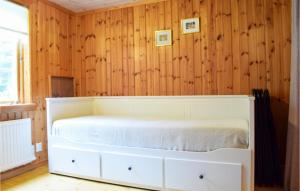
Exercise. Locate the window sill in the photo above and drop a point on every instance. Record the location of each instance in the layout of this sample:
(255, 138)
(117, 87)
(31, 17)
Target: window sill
(18, 107)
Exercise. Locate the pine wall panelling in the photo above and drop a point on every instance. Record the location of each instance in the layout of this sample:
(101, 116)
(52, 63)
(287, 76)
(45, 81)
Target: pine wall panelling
(50, 54)
(242, 45)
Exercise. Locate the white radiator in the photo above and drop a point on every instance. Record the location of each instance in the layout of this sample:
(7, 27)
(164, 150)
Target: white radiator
(16, 147)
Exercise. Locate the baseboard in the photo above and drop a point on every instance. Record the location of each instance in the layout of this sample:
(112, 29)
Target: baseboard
(22, 169)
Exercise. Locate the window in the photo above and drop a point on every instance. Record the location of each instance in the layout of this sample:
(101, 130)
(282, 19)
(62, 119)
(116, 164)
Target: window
(14, 43)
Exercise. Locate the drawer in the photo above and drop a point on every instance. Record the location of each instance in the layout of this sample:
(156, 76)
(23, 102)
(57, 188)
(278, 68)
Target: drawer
(139, 170)
(76, 162)
(192, 175)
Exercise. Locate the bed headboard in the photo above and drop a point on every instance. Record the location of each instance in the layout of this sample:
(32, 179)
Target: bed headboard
(175, 107)
(166, 107)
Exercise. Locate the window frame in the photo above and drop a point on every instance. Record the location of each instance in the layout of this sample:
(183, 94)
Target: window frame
(23, 84)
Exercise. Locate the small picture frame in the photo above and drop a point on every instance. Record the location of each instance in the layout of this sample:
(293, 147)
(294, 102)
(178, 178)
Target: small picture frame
(191, 25)
(163, 38)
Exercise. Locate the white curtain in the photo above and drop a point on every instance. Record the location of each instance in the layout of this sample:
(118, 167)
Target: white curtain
(292, 159)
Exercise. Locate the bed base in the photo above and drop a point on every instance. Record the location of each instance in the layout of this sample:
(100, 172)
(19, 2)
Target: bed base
(103, 163)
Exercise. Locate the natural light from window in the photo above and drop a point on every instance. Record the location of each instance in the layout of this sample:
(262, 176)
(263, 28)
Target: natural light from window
(13, 34)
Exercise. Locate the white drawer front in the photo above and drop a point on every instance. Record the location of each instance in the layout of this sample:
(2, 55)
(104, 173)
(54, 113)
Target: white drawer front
(76, 162)
(134, 169)
(190, 175)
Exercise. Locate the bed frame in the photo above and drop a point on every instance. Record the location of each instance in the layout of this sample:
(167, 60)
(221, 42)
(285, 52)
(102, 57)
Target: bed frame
(226, 169)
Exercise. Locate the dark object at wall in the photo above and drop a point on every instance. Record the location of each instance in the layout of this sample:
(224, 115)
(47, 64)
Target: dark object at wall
(61, 86)
(267, 163)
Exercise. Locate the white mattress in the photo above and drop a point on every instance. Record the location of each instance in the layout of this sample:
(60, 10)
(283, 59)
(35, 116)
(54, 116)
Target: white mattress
(182, 135)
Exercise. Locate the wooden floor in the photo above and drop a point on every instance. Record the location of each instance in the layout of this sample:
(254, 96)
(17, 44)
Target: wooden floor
(40, 180)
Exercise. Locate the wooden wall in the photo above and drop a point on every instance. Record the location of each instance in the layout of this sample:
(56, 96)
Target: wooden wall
(50, 54)
(242, 45)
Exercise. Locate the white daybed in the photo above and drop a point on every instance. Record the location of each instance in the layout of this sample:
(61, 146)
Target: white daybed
(163, 143)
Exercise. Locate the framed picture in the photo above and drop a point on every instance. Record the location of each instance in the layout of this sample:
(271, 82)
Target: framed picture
(163, 38)
(191, 25)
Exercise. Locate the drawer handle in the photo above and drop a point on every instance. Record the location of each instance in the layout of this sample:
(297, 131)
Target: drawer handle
(73, 161)
(130, 168)
(201, 176)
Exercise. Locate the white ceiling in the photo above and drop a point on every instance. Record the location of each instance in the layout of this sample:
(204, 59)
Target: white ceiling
(85, 5)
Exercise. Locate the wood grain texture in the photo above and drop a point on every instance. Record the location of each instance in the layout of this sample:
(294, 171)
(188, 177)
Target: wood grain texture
(61, 86)
(50, 54)
(4, 109)
(242, 45)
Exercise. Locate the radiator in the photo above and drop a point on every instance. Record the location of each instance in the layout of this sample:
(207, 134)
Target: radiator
(16, 147)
